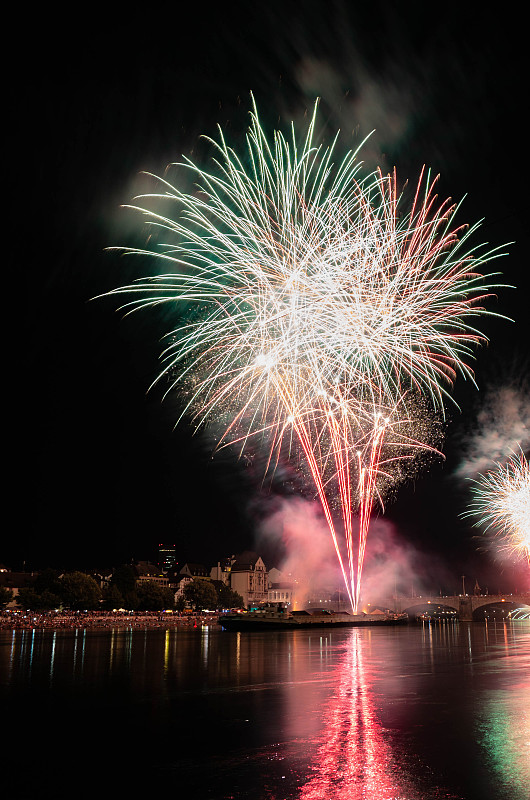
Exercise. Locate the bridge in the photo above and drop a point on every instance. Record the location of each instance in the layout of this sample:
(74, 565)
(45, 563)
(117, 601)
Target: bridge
(464, 604)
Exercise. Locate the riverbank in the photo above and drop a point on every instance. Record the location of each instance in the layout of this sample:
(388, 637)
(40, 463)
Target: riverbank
(15, 620)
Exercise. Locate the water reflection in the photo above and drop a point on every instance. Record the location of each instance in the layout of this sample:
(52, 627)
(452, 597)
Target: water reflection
(503, 731)
(52, 654)
(403, 714)
(354, 759)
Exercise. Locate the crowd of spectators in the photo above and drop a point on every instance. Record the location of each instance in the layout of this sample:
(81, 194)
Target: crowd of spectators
(14, 620)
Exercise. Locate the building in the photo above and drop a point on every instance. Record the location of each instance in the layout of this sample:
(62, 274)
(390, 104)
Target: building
(179, 583)
(282, 587)
(15, 581)
(281, 592)
(276, 575)
(222, 570)
(194, 570)
(248, 577)
(166, 556)
(145, 571)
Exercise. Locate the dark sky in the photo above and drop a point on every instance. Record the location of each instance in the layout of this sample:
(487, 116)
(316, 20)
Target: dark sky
(100, 475)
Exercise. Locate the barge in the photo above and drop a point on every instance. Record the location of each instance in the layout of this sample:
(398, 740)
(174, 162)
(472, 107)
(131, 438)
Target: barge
(267, 619)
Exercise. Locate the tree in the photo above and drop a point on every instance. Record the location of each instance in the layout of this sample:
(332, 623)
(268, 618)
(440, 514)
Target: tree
(44, 594)
(48, 581)
(6, 595)
(169, 598)
(201, 594)
(28, 598)
(38, 601)
(153, 597)
(112, 598)
(228, 598)
(48, 600)
(80, 591)
(124, 580)
(180, 602)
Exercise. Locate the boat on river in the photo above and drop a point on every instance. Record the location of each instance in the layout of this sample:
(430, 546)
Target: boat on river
(266, 619)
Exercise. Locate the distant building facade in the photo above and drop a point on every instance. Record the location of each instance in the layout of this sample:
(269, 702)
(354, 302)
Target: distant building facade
(248, 577)
(145, 571)
(15, 581)
(179, 583)
(282, 587)
(194, 570)
(166, 556)
(222, 571)
(281, 592)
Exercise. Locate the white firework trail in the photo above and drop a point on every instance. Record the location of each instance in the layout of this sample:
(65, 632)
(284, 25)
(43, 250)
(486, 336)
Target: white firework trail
(319, 305)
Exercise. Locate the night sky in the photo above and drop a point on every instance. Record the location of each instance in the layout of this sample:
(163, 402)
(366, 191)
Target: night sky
(100, 475)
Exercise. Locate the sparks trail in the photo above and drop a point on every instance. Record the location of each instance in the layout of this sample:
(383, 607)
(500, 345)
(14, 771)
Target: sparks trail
(501, 502)
(318, 303)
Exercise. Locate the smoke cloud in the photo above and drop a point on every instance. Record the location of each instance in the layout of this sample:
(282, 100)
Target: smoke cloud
(310, 559)
(392, 565)
(382, 106)
(502, 427)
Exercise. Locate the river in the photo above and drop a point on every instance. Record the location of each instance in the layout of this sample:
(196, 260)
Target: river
(420, 712)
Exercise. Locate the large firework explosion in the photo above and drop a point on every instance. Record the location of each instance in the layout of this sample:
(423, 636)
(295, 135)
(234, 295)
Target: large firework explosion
(317, 307)
(501, 504)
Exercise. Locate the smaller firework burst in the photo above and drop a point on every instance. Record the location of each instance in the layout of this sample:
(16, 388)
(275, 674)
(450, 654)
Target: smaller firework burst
(501, 503)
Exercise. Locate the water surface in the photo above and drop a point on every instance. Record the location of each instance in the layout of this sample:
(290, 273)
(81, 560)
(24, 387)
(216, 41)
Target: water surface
(406, 713)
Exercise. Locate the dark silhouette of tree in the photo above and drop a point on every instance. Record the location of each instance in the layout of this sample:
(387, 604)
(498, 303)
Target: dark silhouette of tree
(201, 594)
(153, 597)
(38, 601)
(6, 595)
(80, 591)
(228, 598)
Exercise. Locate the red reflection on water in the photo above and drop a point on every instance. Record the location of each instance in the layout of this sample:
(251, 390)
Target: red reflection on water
(354, 760)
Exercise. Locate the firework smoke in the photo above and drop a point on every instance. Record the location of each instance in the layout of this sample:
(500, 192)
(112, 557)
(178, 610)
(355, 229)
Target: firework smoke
(502, 426)
(294, 523)
(393, 565)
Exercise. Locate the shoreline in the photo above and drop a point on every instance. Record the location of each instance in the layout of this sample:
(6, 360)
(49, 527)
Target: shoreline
(72, 620)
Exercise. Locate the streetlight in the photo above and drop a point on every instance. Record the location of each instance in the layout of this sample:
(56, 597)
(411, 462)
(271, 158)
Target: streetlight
(463, 585)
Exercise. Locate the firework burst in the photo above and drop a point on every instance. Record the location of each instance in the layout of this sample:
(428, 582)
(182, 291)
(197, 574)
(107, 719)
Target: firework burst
(319, 306)
(501, 504)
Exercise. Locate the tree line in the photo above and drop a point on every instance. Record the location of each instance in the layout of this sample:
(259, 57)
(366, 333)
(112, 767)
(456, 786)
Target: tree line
(79, 591)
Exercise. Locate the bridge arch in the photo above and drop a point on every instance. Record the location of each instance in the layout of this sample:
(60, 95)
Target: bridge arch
(495, 610)
(432, 608)
(465, 605)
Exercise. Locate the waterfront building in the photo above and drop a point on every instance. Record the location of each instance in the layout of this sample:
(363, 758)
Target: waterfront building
(248, 577)
(280, 592)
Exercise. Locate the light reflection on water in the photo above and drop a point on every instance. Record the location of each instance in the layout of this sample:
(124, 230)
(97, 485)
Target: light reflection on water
(503, 731)
(416, 713)
(354, 758)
